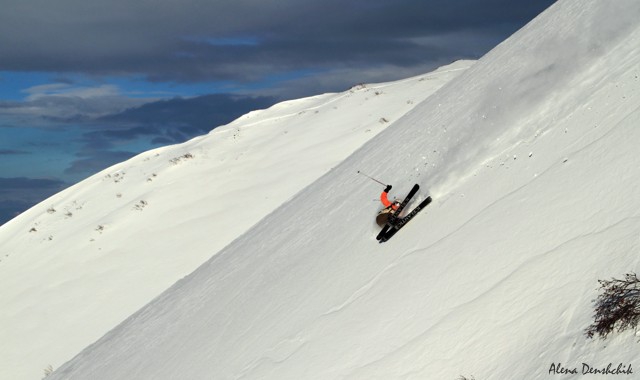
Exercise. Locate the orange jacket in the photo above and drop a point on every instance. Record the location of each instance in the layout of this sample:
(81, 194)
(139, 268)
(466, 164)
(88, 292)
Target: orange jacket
(386, 202)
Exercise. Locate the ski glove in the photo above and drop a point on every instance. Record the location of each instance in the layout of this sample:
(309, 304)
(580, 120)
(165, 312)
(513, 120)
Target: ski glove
(387, 189)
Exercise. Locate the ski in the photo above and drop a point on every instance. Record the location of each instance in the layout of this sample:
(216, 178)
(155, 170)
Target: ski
(403, 221)
(395, 216)
(383, 231)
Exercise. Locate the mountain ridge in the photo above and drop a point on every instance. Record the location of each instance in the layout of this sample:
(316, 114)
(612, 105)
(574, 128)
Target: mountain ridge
(80, 262)
(495, 279)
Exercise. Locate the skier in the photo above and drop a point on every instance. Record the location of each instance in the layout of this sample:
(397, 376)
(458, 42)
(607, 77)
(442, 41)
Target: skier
(389, 207)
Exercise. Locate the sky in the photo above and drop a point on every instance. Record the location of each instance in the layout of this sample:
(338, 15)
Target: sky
(85, 85)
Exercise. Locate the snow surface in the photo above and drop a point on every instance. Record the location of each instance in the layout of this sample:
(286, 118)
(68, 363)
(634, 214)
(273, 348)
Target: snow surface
(531, 158)
(78, 264)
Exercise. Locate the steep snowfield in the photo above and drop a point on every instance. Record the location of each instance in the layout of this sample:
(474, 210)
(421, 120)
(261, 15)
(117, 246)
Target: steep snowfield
(531, 157)
(78, 264)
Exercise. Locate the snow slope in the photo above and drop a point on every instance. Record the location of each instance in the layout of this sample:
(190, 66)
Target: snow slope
(531, 157)
(78, 264)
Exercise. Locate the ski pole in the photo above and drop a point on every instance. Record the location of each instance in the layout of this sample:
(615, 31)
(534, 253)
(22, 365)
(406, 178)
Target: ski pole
(371, 178)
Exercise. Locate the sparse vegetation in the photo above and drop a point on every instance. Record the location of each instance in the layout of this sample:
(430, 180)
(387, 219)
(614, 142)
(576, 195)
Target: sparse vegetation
(617, 308)
(140, 205)
(182, 158)
(116, 177)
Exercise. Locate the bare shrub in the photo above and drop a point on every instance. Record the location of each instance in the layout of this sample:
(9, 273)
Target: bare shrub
(617, 308)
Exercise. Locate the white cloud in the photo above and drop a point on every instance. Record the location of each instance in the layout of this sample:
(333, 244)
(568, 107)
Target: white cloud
(61, 101)
(67, 90)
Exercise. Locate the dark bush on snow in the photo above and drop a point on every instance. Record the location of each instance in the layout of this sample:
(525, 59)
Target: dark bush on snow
(617, 308)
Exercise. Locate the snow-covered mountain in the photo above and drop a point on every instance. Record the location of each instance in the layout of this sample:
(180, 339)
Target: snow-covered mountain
(530, 155)
(78, 264)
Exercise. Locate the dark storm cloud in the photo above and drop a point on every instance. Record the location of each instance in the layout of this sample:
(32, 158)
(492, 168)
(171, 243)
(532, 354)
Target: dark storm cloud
(19, 194)
(95, 161)
(65, 102)
(197, 40)
(165, 122)
(161, 122)
(189, 116)
(14, 186)
(100, 137)
(11, 209)
(12, 152)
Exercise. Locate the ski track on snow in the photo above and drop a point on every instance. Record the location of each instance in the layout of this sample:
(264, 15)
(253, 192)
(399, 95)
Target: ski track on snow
(583, 147)
(362, 291)
(482, 297)
(522, 267)
(298, 345)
